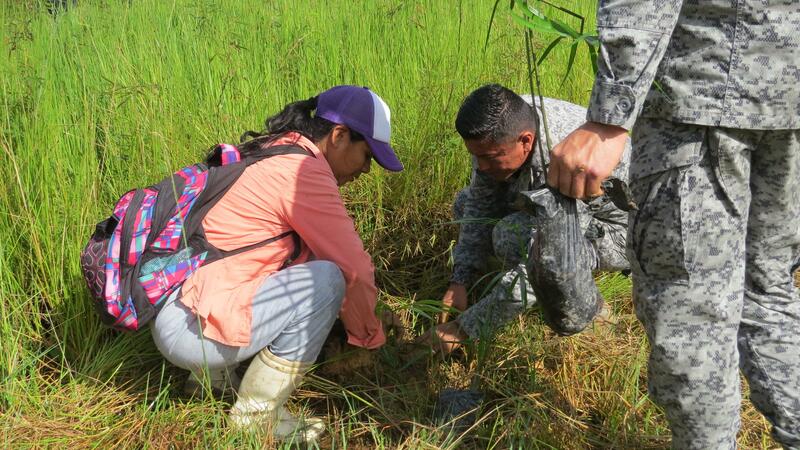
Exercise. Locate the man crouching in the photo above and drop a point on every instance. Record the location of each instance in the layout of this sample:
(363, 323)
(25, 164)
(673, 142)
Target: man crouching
(500, 130)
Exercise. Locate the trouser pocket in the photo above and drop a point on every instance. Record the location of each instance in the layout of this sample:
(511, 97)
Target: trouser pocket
(664, 232)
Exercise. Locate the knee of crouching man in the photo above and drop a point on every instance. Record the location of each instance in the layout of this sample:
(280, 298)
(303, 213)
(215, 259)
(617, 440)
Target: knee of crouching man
(567, 323)
(512, 237)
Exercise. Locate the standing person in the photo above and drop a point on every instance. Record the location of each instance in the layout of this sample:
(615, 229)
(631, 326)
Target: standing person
(499, 129)
(713, 89)
(249, 304)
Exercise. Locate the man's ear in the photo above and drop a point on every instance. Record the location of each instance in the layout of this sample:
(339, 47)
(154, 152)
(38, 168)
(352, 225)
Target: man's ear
(526, 138)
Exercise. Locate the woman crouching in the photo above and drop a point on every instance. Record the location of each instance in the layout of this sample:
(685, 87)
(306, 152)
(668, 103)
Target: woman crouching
(278, 301)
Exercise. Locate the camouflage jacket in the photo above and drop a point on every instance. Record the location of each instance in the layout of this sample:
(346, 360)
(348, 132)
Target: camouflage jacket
(490, 200)
(725, 63)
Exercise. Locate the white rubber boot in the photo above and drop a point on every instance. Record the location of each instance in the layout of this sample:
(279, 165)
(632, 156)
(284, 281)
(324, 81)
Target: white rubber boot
(265, 388)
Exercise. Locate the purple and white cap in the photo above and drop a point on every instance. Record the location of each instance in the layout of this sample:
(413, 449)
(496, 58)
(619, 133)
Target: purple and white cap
(363, 111)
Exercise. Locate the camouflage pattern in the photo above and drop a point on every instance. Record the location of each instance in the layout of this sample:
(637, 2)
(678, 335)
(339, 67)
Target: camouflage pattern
(719, 63)
(712, 249)
(490, 226)
(511, 238)
(712, 83)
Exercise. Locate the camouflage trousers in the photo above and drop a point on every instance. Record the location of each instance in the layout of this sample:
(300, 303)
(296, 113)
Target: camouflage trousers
(509, 294)
(712, 249)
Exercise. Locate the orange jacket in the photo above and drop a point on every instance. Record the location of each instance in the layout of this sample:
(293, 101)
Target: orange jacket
(279, 194)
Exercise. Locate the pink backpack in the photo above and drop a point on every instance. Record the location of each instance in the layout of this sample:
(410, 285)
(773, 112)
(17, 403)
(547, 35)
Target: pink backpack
(154, 238)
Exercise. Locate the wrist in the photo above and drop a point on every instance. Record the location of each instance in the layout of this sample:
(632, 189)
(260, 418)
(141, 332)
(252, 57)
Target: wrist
(457, 289)
(606, 129)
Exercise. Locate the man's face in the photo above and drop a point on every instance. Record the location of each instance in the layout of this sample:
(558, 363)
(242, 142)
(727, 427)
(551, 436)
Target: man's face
(501, 160)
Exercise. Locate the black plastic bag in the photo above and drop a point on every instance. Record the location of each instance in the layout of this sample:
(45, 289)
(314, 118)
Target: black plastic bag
(457, 408)
(560, 262)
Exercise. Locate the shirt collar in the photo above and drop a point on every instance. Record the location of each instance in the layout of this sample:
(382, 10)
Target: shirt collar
(295, 138)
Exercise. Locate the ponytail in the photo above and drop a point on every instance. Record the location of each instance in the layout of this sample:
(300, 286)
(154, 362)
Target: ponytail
(295, 117)
(298, 117)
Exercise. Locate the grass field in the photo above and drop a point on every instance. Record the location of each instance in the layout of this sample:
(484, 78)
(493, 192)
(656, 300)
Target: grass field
(114, 94)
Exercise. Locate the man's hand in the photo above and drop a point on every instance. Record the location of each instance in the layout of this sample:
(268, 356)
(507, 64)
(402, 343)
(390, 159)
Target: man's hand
(579, 163)
(444, 338)
(455, 297)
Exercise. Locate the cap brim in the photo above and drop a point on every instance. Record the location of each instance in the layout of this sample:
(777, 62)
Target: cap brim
(384, 155)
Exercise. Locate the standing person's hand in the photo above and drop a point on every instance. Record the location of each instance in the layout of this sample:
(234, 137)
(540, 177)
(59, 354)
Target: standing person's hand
(579, 163)
(454, 297)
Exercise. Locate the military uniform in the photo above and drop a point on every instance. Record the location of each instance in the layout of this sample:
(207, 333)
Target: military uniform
(490, 226)
(713, 88)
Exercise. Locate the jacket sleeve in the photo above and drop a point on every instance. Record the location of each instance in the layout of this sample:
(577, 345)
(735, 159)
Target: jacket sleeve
(634, 36)
(314, 209)
(483, 205)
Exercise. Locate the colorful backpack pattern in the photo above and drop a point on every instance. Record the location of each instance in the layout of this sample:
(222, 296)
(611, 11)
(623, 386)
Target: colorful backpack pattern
(153, 240)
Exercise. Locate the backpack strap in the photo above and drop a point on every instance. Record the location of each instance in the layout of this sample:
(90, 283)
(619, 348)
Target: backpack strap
(295, 253)
(277, 150)
(292, 233)
(268, 152)
(226, 154)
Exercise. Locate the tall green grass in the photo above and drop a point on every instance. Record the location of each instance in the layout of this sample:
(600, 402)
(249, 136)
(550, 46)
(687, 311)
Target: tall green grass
(109, 95)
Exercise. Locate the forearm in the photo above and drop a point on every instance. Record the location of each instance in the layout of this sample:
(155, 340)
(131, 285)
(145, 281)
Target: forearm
(633, 40)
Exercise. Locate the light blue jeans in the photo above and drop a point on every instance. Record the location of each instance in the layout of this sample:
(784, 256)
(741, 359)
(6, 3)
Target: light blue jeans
(293, 312)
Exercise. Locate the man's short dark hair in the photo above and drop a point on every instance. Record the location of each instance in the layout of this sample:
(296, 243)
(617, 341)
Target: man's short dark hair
(494, 113)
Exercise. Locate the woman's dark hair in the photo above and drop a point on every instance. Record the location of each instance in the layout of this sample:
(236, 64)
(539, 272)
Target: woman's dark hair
(494, 113)
(297, 117)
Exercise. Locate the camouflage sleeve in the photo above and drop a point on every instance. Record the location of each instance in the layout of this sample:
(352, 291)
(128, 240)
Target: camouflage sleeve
(633, 40)
(482, 206)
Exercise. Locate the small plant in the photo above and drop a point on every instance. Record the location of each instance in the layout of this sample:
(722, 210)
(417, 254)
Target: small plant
(534, 19)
